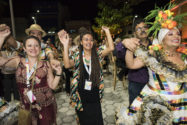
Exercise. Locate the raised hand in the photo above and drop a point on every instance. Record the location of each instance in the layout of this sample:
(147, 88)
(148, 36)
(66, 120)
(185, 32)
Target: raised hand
(131, 43)
(63, 37)
(105, 28)
(4, 31)
(56, 65)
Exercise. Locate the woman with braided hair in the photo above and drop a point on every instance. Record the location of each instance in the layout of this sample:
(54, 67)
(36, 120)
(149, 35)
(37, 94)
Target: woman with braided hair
(87, 84)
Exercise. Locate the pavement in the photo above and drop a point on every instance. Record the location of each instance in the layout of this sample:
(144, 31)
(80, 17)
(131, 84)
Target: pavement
(112, 99)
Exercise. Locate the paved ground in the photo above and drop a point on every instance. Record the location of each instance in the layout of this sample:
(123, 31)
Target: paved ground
(112, 99)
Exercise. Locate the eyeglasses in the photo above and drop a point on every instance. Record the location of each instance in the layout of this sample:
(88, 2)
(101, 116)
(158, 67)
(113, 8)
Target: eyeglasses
(141, 28)
(86, 39)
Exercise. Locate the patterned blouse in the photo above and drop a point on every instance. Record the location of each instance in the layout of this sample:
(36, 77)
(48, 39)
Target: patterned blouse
(41, 90)
(75, 99)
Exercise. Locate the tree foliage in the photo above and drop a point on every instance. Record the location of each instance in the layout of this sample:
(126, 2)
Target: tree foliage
(116, 14)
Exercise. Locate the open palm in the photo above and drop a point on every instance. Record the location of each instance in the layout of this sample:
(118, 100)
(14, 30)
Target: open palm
(63, 37)
(105, 28)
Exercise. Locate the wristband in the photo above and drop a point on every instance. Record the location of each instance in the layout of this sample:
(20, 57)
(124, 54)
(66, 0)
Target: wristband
(58, 75)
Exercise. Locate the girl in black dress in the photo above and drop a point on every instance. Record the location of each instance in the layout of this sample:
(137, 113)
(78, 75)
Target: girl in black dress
(87, 84)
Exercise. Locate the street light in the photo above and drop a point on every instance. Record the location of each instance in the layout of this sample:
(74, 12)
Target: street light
(135, 16)
(34, 19)
(38, 11)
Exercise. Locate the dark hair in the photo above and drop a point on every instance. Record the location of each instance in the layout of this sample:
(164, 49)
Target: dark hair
(31, 37)
(95, 72)
(84, 33)
(82, 29)
(136, 22)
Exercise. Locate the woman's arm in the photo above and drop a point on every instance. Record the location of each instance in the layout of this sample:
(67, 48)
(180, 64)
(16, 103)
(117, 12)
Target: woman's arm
(8, 62)
(4, 33)
(110, 46)
(131, 62)
(64, 39)
(53, 81)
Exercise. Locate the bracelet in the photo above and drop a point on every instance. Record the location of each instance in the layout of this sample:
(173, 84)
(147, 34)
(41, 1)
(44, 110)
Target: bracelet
(58, 75)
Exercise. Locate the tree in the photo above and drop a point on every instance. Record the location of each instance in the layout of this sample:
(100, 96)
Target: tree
(116, 14)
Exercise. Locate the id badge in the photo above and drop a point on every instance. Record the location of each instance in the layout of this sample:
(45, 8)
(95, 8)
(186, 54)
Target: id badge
(88, 85)
(31, 96)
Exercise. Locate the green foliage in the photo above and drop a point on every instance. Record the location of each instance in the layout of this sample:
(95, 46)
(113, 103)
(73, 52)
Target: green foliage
(116, 14)
(180, 17)
(109, 15)
(152, 14)
(156, 25)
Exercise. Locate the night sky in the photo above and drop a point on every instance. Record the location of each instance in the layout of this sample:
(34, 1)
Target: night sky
(79, 9)
(75, 10)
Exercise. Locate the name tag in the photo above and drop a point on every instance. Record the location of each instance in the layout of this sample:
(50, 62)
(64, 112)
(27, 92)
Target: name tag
(88, 85)
(31, 96)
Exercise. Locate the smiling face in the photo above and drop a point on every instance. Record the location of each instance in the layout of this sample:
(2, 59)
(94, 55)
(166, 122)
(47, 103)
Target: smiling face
(32, 47)
(172, 38)
(87, 42)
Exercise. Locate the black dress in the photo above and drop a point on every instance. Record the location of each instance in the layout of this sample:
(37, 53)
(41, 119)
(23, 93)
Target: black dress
(91, 114)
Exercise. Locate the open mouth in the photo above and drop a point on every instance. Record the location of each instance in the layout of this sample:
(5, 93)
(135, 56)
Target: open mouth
(175, 41)
(88, 45)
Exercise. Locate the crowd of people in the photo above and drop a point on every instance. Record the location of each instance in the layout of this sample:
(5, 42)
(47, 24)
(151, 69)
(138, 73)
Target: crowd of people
(156, 71)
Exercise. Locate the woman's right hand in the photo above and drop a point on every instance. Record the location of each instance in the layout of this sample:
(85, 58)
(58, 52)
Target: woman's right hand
(4, 31)
(64, 38)
(131, 43)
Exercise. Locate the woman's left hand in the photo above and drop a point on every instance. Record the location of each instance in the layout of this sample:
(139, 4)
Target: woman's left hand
(105, 28)
(57, 67)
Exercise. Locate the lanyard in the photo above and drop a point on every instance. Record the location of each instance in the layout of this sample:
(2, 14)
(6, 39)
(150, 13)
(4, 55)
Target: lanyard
(29, 74)
(86, 67)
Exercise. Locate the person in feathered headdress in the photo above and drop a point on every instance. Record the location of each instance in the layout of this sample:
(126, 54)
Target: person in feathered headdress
(164, 99)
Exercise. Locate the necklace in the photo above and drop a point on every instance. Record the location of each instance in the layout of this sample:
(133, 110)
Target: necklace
(169, 54)
(170, 63)
(87, 61)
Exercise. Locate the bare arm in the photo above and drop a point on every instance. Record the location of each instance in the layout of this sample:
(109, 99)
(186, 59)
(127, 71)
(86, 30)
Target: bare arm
(53, 81)
(64, 39)
(10, 62)
(9, 39)
(4, 33)
(131, 62)
(110, 46)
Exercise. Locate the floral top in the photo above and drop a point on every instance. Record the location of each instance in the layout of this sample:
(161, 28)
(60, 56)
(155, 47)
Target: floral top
(75, 99)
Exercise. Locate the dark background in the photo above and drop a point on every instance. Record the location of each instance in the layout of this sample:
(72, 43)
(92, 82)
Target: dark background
(79, 9)
(55, 14)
